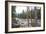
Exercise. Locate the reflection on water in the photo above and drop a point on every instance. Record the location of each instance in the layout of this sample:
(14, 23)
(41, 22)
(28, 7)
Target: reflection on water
(24, 23)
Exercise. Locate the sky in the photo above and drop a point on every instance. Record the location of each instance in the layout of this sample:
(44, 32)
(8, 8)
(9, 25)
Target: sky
(19, 9)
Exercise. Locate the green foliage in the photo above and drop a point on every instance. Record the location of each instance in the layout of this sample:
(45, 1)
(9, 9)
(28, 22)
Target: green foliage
(26, 14)
(13, 11)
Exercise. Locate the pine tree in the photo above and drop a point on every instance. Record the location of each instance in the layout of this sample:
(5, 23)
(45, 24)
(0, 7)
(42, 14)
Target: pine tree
(13, 11)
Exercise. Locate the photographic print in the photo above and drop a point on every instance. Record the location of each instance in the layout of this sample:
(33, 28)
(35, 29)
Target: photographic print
(25, 16)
